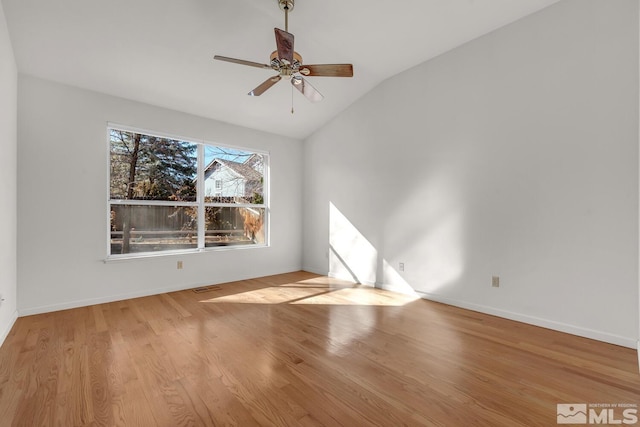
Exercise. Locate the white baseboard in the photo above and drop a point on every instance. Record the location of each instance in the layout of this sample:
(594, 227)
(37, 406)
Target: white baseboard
(398, 289)
(28, 311)
(316, 271)
(339, 276)
(5, 333)
(537, 321)
(349, 278)
(105, 299)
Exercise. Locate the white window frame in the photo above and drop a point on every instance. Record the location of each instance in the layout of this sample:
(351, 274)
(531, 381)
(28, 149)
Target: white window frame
(200, 203)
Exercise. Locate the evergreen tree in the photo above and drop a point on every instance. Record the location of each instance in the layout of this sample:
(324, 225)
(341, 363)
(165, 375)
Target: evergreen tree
(145, 167)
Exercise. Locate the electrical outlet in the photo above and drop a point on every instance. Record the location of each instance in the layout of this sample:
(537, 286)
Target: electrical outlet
(495, 281)
(401, 266)
(179, 266)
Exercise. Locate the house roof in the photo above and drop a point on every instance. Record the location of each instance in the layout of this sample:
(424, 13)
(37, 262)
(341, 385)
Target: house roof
(242, 169)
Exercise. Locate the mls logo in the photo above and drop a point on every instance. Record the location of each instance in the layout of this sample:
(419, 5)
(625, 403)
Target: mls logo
(572, 413)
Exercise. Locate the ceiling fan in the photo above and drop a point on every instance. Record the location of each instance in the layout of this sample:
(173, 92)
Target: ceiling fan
(288, 63)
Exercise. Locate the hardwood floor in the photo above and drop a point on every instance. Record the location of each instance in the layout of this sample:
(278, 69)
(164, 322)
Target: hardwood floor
(299, 350)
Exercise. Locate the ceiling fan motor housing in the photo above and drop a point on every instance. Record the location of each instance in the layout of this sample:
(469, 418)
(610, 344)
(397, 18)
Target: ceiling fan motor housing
(284, 69)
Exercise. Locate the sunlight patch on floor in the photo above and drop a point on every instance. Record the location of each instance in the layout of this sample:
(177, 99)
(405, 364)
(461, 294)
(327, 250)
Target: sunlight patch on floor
(288, 294)
(358, 296)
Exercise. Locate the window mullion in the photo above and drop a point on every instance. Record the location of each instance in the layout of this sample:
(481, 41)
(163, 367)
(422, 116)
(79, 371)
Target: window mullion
(200, 197)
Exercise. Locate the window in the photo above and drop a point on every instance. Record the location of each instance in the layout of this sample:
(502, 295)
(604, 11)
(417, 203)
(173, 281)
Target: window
(168, 194)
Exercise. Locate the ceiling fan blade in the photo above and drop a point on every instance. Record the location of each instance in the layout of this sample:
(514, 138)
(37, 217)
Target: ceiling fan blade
(265, 85)
(284, 41)
(241, 62)
(306, 89)
(327, 70)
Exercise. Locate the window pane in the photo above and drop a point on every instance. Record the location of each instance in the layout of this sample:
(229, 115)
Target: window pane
(233, 176)
(146, 167)
(138, 229)
(234, 226)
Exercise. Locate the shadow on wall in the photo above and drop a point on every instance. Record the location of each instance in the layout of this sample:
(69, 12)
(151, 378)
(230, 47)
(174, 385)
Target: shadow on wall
(435, 259)
(353, 257)
(351, 254)
(427, 226)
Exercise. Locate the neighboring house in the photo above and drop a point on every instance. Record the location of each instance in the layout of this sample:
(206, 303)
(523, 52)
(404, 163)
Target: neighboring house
(242, 182)
(226, 178)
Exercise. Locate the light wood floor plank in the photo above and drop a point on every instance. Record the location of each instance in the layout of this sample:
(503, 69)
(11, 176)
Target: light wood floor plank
(298, 350)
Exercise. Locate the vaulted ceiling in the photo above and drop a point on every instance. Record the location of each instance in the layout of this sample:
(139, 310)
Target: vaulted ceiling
(160, 51)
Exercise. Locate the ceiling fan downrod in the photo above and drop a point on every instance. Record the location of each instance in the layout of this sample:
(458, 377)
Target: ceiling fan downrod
(286, 6)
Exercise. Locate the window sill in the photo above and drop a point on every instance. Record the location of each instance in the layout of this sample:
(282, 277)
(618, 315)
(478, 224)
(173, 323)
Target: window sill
(151, 255)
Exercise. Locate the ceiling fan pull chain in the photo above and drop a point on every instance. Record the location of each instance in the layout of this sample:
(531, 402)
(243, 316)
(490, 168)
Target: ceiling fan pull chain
(291, 99)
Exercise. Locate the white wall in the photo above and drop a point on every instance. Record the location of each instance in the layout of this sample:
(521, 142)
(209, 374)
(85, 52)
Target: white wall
(8, 175)
(63, 230)
(514, 155)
